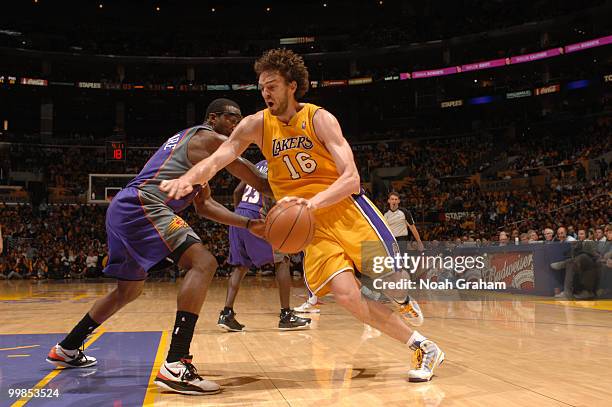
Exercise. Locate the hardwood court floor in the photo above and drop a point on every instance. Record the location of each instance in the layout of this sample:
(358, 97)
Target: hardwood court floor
(522, 351)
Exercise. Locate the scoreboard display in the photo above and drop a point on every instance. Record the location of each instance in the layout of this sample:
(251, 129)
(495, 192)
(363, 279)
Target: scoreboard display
(115, 151)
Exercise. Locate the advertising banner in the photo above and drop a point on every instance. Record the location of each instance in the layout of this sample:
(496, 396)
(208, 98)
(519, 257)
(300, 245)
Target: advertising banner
(597, 42)
(536, 56)
(434, 72)
(494, 63)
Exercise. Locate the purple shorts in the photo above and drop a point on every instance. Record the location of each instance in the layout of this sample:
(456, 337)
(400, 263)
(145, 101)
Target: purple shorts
(141, 232)
(246, 249)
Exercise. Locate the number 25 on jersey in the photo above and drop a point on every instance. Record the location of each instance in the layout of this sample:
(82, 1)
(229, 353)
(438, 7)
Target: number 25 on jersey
(304, 162)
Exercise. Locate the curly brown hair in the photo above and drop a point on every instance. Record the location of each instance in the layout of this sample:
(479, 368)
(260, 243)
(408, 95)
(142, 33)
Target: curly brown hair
(287, 63)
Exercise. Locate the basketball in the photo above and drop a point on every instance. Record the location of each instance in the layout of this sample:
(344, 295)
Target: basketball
(289, 227)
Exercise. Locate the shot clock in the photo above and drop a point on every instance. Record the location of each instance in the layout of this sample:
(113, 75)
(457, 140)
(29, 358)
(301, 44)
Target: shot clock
(115, 151)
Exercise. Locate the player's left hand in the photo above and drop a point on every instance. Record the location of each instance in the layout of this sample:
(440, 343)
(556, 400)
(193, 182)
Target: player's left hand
(176, 188)
(298, 200)
(257, 227)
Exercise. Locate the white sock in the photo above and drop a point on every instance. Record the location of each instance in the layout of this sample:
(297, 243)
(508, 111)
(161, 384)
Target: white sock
(416, 337)
(312, 300)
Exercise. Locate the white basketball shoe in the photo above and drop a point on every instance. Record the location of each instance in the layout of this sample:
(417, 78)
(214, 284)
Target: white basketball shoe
(182, 377)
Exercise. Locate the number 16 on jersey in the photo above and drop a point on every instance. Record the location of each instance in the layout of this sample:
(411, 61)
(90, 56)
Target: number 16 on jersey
(304, 162)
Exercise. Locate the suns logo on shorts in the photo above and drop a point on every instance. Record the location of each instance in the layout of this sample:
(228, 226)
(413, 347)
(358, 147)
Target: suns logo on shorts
(175, 224)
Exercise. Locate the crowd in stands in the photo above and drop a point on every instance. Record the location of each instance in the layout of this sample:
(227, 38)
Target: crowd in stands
(584, 205)
(450, 184)
(52, 241)
(427, 159)
(555, 148)
(67, 241)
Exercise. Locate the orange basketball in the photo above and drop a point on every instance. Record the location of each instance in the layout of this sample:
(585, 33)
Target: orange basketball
(289, 227)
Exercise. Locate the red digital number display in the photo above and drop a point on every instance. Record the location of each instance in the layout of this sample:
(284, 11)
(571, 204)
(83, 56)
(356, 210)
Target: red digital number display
(115, 151)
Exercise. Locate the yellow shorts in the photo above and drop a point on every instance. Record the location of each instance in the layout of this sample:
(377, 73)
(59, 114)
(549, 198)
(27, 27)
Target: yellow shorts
(348, 235)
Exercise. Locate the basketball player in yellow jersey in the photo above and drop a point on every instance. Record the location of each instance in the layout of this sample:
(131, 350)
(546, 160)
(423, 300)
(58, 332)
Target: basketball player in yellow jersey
(310, 161)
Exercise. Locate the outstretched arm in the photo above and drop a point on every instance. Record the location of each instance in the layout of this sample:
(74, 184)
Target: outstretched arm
(247, 171)
(203, 147)
(247, 132)
(207, 207)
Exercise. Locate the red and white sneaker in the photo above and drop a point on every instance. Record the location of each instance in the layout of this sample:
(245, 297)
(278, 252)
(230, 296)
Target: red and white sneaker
(61, 357)
(182, 377)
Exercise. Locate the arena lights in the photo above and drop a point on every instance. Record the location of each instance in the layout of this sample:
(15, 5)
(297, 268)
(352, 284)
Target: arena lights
(100, 5)
(213, 10)
(482, 100)
(268, 8)
(157, 8)
(583, 83)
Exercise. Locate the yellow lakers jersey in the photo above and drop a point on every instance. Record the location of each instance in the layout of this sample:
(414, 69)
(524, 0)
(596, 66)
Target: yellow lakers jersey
(298, 163)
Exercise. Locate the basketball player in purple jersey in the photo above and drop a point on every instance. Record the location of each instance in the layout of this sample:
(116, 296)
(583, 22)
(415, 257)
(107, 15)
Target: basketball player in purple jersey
(145, 232)
(247, 250)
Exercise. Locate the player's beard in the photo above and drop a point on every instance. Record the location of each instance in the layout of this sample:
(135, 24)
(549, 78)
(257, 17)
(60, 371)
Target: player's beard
(280, 108)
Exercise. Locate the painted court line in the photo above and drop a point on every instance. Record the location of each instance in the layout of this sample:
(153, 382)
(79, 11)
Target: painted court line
(605, 305)
(45, 380)
(20, 347)
(78, 297)
(152, 390)
(120, 378)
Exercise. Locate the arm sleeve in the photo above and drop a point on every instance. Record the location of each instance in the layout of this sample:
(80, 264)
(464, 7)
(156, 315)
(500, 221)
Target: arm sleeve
(408, 216)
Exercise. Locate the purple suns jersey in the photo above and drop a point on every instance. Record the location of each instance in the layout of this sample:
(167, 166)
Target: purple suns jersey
(252, 199)
(170, 161)
(246, 249)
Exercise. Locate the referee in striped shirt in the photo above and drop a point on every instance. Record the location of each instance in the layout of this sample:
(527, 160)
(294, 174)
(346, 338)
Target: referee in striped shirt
(400, 220)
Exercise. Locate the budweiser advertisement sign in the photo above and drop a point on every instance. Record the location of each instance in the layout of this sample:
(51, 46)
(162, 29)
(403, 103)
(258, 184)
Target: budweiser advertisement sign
(514, 268)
